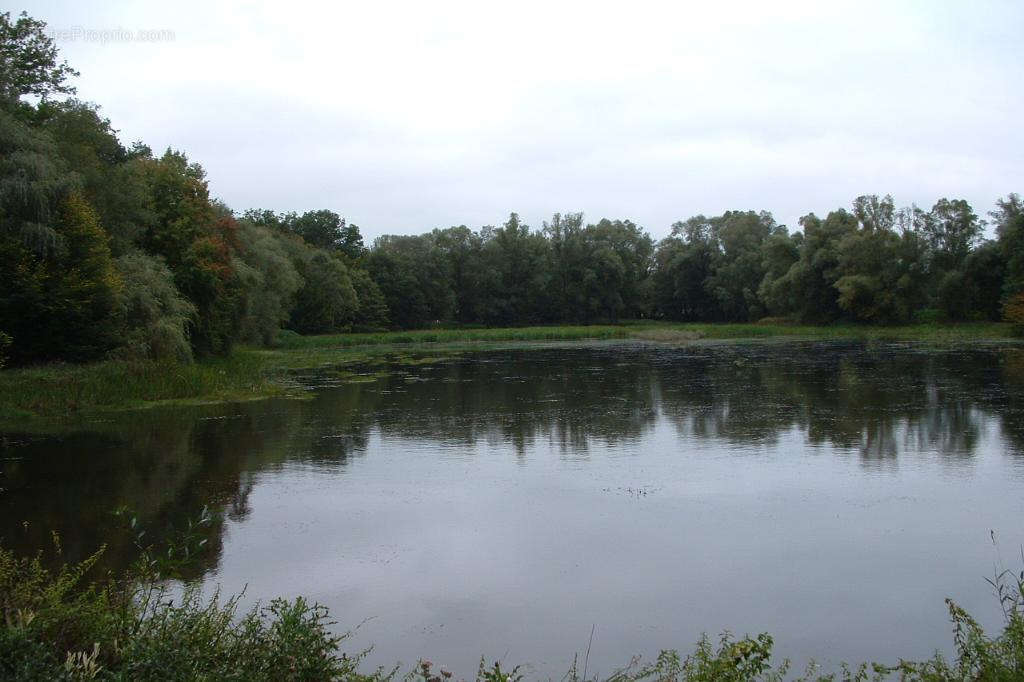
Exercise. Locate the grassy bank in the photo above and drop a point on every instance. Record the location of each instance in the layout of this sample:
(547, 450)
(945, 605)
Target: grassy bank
(57, 391)
(72, 625)
(655, 331)
(465, 335)
(60, 390)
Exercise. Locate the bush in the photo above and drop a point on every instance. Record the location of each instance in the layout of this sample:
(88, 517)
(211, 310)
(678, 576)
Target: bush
(153, 314)
(269, 283)
(927, 316)
(54, 627)
(1013, 312)
(5, 343)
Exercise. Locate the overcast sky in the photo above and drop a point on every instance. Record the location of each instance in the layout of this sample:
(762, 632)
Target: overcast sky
(405, 117)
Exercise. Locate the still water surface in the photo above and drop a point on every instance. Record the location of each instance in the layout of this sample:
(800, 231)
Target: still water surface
(503, 503)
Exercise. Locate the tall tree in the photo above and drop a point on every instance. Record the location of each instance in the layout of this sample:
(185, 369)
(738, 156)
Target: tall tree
(270, 282)
(514, 285)
(812, 277)
(327, 230)
(738, 239)
(779, 253)
(684, 264)
(112, 177)
(327, 301)
(623, 257)
(461, 247)
(952, 230)
(28, 61)
(874, 213)
(569, 266)
(1007, 210)
(412, 273)
(60, 302)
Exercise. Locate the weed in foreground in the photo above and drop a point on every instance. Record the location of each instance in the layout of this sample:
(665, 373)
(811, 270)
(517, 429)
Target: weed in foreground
(70, 625)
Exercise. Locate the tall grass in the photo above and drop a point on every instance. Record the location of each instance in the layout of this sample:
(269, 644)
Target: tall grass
(58, 390)
(647, 330)
(554, 333)
(58, 627)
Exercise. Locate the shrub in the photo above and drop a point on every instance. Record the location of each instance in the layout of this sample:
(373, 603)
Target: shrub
(55, 627)
(5, 343)
(1013, 312)
(153, 314)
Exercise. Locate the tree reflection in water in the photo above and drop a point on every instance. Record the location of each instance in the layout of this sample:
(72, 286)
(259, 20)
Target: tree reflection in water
(880, 401)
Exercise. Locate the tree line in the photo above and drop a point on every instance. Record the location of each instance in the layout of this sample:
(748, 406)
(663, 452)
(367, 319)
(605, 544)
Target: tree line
(109, 250)
(870, 263)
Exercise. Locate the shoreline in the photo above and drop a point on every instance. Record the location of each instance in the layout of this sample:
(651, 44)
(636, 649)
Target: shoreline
(58, 392)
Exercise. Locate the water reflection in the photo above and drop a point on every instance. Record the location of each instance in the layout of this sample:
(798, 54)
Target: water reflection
(507, 495)
(881, 401)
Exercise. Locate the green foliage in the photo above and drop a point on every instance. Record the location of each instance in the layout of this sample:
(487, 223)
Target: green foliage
(459, 336)
(780, 251)
(372, 314)
(154, 317)
(207, 276)
(324, 289)
(951, 230)
(326, 302)
(600, 272)
(513, 279)
(65, 299)
(323, 229)
(33, 184)
(28, 61)
(33, 180)
(181, 206)
(269, 283)
(739, 239)
(80, 211)
(5, 343)
(194, 639)
(683, 267)
(1013, 312)
(70, 624)
(978, 656)
(424, 672)
(57, 627)
(715, 268)
(984, 273)
(412, 274)
(113, 178)
(813, 276)
(954, 296)
(82, 285)
(61, 299)
(732, 661)
(461, 250)
(881, 265)
(61, 390)
(245, 374)
(1011, 244)
(875, 282)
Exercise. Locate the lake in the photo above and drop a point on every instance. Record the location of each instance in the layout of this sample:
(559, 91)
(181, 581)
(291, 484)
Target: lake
(504, 503)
